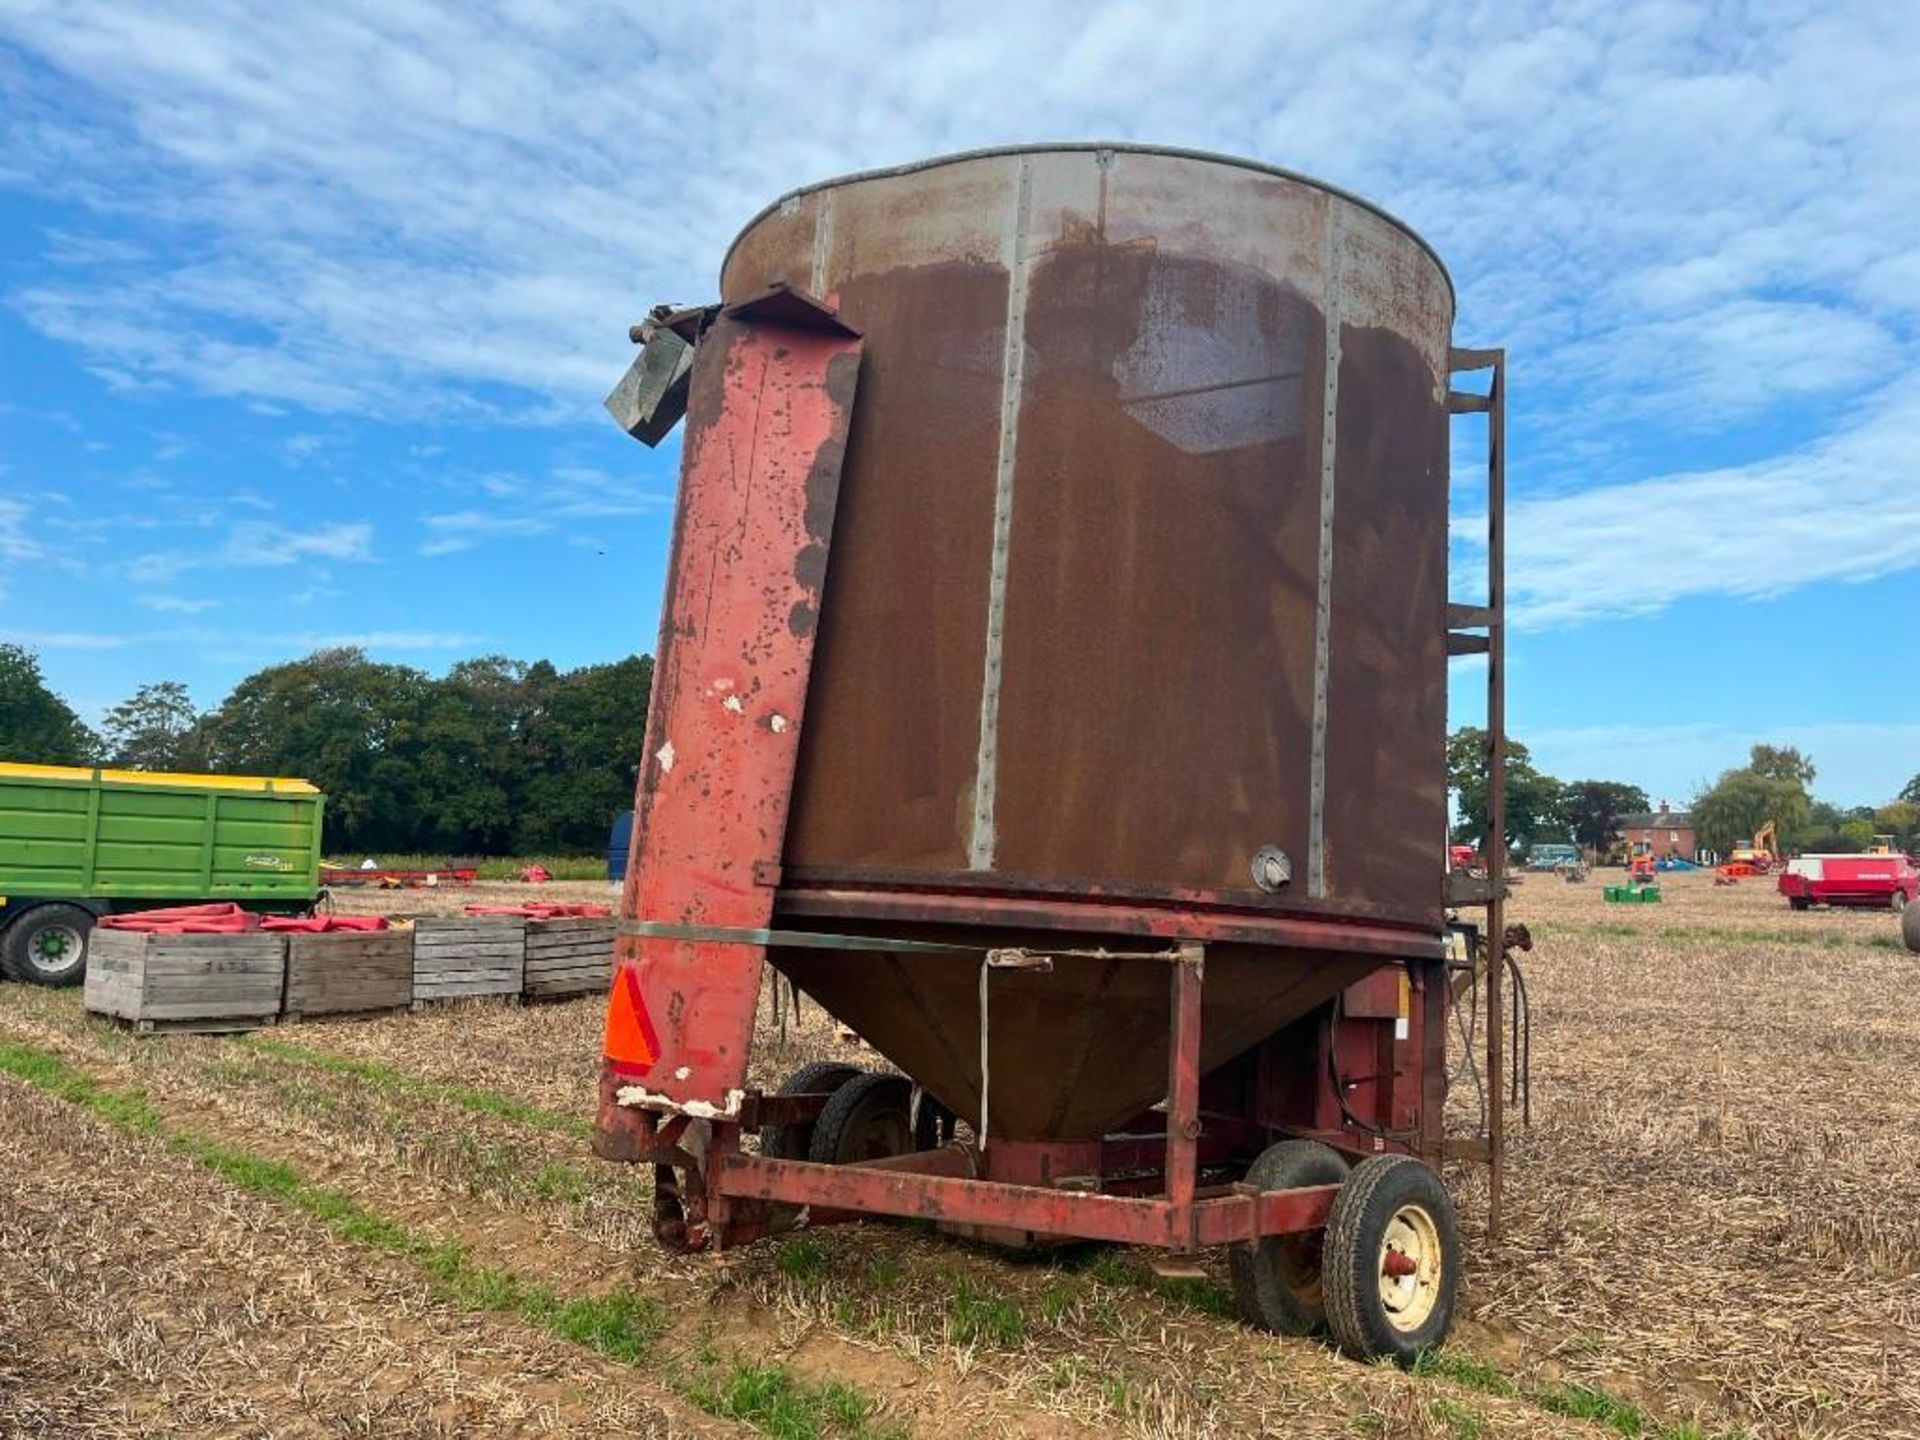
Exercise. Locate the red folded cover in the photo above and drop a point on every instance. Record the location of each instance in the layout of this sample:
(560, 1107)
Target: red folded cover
(224, 918)
(544, 910)
(323, 924)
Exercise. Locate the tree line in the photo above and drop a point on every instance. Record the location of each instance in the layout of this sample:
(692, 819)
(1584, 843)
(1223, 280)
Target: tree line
(1776, 784)
(496, 757)
(500, 757)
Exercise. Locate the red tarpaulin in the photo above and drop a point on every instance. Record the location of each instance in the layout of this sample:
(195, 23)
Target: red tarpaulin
(323, 924)
(226, 918)
(219, 919)
(540, 910)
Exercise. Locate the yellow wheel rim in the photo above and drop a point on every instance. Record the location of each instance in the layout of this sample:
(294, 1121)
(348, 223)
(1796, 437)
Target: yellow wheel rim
(1411, 1268)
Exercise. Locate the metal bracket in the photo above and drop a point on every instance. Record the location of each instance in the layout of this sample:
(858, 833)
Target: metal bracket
(783, 304)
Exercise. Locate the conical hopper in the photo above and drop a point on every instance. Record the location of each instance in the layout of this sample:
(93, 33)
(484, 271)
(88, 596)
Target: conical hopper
(1074, 1050)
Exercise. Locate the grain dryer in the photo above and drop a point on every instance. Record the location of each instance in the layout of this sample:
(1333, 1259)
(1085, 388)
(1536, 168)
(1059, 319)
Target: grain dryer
(1052, 684)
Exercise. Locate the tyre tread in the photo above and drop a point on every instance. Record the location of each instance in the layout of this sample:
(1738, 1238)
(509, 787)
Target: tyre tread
(1258, 1295)
(13, 944)
(1353, 1226)
(830, 1128)
(813, 1078)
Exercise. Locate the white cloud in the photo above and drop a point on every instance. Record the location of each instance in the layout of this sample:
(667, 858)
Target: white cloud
(1844, 507)
(21, 547)
(466, 528)
(258, 542)
(176, 604)
(1676, 221)
(16, 543)
(577, 498)
(68, 640)
(254, 544)
(301, 447)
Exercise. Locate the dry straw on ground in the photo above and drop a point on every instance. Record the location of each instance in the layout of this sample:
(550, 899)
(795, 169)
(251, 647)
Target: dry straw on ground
(1709, 1220)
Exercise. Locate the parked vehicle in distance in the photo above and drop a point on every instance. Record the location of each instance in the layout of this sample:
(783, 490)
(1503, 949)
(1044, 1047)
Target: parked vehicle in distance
(1867, 880)
(76, 844)
(1553, 857)
(619, 842)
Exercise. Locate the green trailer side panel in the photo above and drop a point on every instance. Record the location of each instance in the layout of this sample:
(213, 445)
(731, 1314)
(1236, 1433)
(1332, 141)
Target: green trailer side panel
(118, 840)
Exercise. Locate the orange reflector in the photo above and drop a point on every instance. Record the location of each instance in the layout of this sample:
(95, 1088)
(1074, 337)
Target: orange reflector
(631, 1039)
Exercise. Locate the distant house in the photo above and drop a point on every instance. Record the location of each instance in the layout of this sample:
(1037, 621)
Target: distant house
(1667, 832)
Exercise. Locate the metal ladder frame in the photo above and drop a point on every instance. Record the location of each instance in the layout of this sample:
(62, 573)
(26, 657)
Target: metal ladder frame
(1462, 622)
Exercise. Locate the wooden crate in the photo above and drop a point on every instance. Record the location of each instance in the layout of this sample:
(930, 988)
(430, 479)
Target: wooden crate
(572, 955)
(185, 982)
(347, 972)
(460, 955)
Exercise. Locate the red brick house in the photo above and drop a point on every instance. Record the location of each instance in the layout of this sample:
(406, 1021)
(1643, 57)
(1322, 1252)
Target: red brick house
(1668, 832)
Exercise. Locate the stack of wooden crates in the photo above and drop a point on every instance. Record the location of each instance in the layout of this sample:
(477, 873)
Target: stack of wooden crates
(158, 981)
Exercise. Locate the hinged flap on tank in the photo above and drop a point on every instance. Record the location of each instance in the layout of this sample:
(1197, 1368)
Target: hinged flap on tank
(652, 396)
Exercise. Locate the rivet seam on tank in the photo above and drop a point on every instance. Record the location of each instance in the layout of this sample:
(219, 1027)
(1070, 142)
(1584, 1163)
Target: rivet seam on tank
(822, 244)
(1323, 610)
(980, 850)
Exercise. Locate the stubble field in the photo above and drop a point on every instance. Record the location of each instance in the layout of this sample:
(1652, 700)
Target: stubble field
(394, 1227)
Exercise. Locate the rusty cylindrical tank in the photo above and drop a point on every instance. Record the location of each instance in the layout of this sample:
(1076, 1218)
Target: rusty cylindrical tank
(1137, 589)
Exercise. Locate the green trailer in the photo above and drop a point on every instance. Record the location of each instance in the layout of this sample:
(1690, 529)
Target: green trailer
(76, 844)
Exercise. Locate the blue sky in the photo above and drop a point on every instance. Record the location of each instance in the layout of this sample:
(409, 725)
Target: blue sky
(306, 313)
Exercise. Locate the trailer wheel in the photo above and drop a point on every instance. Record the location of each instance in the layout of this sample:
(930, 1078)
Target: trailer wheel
(1798, 902)
(47, 945)
(1390, 1265)
(869, 1118)
(1276, 1280)
(1898, 901)
(816, 1077)
(1910, 928)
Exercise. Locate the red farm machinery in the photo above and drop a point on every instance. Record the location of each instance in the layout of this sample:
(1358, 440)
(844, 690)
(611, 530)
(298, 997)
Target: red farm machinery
(1052, 685)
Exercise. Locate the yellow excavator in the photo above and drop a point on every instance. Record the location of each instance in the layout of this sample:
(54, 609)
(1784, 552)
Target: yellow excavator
(1763, 854)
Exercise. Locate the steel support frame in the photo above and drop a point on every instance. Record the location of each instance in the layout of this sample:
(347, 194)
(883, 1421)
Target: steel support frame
(939, 1185)
(1145, 1188)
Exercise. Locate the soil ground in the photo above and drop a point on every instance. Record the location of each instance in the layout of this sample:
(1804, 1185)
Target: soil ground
(1710, 1230)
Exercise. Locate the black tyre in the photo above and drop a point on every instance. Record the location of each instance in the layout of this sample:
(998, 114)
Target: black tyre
(1276, 1281)
(817, 1077)
(47, 945)
(1798, 902)
(869, 1118)
(1910, 927)
(1898, 900)
(1390, 1265)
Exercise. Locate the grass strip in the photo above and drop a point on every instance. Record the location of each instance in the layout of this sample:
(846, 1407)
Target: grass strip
(1575, 1402)
(490, 867)
(622, 1325)
(385, 1077)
